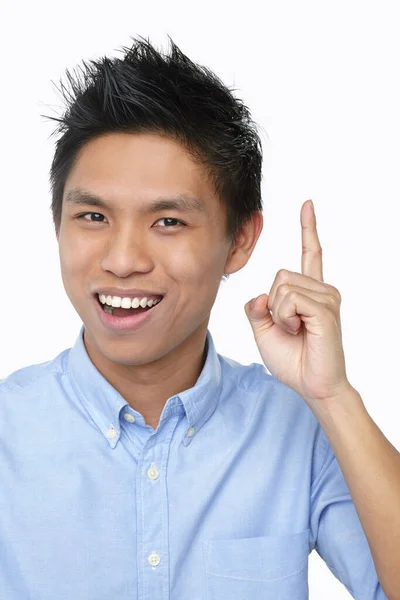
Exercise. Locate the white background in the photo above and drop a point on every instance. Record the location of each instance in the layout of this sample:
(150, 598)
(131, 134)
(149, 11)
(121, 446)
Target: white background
(321, 80)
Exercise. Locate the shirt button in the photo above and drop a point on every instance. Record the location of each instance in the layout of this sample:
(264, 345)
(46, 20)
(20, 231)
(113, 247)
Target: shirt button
(152, 473)
(111, 434)
(154, 559)
(129, 417)
(190, 432)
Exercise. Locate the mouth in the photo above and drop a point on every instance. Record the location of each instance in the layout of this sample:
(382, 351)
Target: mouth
(125, 312)
(125, 320)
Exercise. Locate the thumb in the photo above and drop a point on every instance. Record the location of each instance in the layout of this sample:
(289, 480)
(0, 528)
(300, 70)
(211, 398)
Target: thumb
(258, 313)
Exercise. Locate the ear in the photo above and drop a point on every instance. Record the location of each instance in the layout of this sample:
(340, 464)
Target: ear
(244, 244)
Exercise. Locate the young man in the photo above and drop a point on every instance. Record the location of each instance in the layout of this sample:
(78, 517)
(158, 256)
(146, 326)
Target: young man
(140, 463)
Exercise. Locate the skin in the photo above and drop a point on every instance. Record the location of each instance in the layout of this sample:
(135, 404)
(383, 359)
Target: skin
(312, 360)
(125, 248)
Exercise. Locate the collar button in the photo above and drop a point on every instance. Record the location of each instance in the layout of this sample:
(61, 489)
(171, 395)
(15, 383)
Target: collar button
(111, 434)
(129, 417)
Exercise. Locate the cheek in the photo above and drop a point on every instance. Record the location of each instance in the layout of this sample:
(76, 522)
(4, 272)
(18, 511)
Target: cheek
(197, 275)
(197, 269)
(75, 264)
(76, 254)
(70, 264)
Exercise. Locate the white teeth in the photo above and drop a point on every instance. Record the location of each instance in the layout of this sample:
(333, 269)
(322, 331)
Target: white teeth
(117, 302)
(126, 303)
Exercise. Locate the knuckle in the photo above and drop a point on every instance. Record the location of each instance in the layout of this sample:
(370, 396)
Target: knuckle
(336, 294)
(331, 301)
(307, 249)
(283, 274)
(284, 288)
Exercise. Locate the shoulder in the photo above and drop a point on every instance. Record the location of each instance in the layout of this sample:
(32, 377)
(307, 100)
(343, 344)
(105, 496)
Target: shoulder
(273, 410)
(260, 385)
(25, 380)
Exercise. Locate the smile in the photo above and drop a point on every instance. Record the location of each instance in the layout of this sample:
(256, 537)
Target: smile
(110, 303)
(119, 319)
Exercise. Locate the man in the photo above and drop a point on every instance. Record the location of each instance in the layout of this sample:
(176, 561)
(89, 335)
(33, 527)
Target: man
(141, 464)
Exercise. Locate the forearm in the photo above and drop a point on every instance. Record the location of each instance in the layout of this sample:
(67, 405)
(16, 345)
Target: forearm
(371, 468)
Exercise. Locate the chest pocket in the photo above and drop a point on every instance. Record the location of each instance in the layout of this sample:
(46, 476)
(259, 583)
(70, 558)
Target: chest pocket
(260, 568)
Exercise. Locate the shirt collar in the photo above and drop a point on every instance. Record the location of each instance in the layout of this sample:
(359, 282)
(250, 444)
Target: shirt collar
(104, 403)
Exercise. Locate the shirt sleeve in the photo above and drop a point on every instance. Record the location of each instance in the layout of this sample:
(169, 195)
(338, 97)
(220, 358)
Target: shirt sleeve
(337, 534)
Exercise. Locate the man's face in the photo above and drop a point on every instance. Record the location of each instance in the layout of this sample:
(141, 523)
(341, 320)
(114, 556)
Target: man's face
(126, 247)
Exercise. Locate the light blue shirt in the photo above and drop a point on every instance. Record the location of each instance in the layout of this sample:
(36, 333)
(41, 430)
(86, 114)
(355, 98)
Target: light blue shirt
(225, 500)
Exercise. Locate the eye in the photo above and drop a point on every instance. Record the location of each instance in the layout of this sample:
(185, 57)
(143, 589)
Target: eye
(90, 213)
(169, 225)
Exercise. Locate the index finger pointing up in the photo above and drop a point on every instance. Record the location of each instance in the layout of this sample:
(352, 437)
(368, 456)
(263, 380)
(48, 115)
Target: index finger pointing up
(311, 257)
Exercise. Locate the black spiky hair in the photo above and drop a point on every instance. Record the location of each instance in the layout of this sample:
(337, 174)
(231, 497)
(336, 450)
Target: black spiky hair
(168, 94)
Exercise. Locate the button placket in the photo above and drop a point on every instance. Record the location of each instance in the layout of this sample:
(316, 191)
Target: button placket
(152, 500)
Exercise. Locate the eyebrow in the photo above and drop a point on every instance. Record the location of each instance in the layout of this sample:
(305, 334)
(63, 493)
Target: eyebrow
(183, 202)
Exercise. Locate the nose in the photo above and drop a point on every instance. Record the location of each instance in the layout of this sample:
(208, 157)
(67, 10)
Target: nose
(128, 252)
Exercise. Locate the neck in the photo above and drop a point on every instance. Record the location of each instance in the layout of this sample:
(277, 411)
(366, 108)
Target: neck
(147, 387)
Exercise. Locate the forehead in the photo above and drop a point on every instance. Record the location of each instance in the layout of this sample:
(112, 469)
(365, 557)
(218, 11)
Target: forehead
(141, 167)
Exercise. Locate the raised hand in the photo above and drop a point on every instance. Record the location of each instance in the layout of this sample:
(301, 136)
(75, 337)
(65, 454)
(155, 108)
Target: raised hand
(297, 325)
